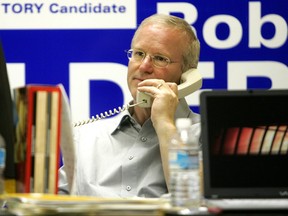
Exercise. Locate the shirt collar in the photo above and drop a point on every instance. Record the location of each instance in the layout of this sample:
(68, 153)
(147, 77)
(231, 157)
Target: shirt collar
(183, 111)
(120, 120)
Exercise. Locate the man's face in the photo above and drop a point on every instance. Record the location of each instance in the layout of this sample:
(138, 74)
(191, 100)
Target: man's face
(156, 40)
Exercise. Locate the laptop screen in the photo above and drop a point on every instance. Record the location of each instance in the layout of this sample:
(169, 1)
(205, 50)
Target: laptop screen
(245, 143)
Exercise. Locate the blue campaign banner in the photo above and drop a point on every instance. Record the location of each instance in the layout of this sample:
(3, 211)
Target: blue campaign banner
(81, 45)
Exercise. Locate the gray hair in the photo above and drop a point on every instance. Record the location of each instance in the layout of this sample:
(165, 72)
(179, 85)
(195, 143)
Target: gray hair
(191, 54)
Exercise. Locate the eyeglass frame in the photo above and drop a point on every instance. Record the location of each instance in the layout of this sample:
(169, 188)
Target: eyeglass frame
(153, 57)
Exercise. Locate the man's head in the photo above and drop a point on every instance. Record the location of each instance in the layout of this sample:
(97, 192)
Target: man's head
(192, 51)
(158, 38)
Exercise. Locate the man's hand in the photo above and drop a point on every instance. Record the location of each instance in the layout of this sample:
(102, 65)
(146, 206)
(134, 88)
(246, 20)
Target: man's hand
(165, 100)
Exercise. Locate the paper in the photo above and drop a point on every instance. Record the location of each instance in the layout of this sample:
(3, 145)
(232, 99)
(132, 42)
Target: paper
(67, 143)
(46, 204)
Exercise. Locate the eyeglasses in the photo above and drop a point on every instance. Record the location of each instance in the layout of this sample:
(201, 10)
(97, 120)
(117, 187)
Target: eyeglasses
(157, 60)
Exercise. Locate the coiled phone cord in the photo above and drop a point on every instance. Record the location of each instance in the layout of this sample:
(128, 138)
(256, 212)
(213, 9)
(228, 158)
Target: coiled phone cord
(107, 114)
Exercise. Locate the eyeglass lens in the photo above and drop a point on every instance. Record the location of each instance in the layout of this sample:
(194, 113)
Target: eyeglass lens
(157, 60)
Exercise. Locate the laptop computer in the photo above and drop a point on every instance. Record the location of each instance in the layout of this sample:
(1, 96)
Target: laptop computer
(245, 148)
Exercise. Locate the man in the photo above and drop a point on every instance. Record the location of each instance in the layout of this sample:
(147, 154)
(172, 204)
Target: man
(127, 155)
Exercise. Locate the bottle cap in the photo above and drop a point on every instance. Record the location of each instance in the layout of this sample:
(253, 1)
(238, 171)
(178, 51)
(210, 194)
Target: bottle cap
(183, 123)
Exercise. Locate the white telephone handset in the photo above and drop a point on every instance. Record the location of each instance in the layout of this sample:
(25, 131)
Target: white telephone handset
(191, 81)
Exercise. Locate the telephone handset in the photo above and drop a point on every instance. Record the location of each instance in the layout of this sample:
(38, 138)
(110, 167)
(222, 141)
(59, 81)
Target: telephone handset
(191, 81)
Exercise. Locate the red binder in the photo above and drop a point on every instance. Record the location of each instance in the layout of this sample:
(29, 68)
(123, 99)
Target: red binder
(43, 129)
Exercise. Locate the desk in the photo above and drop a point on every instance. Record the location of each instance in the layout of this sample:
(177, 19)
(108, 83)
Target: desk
(45, 204)
(230, 213)
(169, 213)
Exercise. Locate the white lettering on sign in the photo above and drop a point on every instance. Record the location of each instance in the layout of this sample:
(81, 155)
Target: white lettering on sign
(188, 10)
(239, 72)
(80, 75)
(235, 35)
(255, 20)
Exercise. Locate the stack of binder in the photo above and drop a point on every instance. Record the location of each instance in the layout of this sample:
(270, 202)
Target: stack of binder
(38, 129)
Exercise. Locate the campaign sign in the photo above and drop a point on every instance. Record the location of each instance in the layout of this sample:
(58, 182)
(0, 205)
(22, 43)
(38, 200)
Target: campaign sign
(81, 45)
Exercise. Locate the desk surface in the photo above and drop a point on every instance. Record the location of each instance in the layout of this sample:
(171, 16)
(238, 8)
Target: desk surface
(43, 204)
(228, 213)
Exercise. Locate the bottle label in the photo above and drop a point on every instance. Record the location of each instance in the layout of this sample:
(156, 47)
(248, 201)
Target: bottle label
(183, 160)
(186, 161)
(2, 157)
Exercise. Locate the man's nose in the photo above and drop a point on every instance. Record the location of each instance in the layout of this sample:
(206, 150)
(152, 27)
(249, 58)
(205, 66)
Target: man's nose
(148, 58)
(147, 64)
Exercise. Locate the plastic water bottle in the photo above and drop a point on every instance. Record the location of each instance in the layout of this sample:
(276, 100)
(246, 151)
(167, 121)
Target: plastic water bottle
(2, 163)
(184, 167)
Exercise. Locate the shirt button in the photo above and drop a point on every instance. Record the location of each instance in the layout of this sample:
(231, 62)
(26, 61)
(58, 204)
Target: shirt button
(128, 188)
(143, 139)
(130, 157)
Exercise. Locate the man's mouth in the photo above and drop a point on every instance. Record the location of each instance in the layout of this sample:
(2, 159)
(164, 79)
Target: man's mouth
(138, 79)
